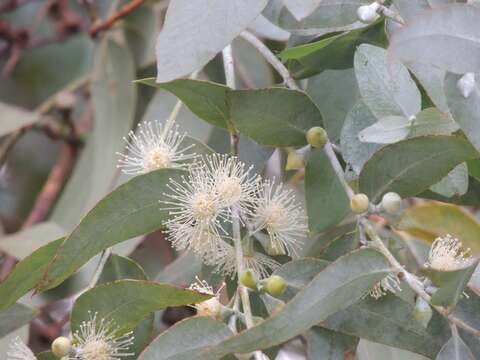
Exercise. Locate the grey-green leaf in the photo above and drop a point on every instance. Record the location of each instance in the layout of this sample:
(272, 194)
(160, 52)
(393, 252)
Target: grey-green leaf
(327, 201)
(447, 37)
(186, 339)
(465, 111)
(328, 345)
(12, 118)
(14, 318)
(455, 349)
(411, 166)
(301, 8)
(454, 184)
(182, 47)
(385, 84)
(387, 130)
(131, 210)
(127, 302)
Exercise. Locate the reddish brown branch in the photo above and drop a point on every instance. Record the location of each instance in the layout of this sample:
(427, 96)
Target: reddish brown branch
(107, 23)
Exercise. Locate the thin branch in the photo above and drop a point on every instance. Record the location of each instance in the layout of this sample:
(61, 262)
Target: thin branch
(108, 23)
(271, 58)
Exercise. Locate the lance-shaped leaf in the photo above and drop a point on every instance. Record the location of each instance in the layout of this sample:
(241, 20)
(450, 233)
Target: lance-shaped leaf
(447, 37)
(127, 302)
(27, 274)
(410, 166)
(336, 287)
(329, 345)
(195, 31)
(385, 85)
(387, 130)
(455, 183)
(465, 110)
(15, 317)
(186, 339)
(451, 284)
(131, 210)
(273, 117)
(327, 202)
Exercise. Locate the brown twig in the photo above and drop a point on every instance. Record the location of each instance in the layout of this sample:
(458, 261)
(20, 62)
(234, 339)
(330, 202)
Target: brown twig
(108, 22)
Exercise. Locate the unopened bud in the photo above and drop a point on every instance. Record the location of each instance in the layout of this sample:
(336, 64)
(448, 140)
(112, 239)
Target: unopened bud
(210, 307)
(61, 346)
(317, 137)
(391, 202)
(368, 13)
(247, 278)
(275, 285)
(422, 312)
(359, 203)
(466, 84)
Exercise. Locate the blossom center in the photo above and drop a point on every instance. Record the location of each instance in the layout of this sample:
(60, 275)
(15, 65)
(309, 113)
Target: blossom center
(96, 349)
(157, 158)
(204, 206)
(275, 215)
(230, 190)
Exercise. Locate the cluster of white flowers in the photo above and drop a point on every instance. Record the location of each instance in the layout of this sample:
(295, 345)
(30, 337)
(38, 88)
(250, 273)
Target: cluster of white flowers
(447, 254)
(19, 351)
(203, 203)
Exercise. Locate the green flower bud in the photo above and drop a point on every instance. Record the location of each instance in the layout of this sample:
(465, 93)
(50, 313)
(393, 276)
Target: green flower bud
(317, 137)
(391, 202)
(275, 285)
(359, 203)
(422, 311)
(61, 346)
(247, 278)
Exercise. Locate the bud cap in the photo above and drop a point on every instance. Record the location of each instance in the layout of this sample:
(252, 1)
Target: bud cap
(368, 13)
(247, 278)
(275, 285)
(359, 203)
(391, 202)
(317, 137)
(61, 346)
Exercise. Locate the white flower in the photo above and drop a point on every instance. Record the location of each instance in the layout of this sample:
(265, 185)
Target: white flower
(277, 212)
(446, 254)
(19, 351)
(150, 149)
(260, 264)
(390, 283)
(96, 340)
(234, 184)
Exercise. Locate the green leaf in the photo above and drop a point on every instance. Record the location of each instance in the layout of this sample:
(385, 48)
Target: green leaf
(14, 117)
(46, 355)
(355, 152)
(389, 321)
(131, 210)
(27, 274)
(446, 37)
(387, 130)
(127, 302)
(432, 122)
(329, 345)
(451, 284)
(455, 349)
(385, 85)
(333, 52)
(274, 117)
(338, 286)
(327, 202)
(465, 111)
(430, 220)
(15, 317)
(207, 100)
(181, 47)
(368, 350)
(182, 270)
(114, 99)
(411, 166)
(186, 339)
(335, 92)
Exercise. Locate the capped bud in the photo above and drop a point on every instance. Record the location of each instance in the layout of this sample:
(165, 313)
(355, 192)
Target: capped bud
(317, 137)
(275, 285)
(294, 161)
(247, 278)
(466, 84)
(359, 203)
(422, 311)
(210, 307)
(368, 13)
(61, 346)
(391, 202)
